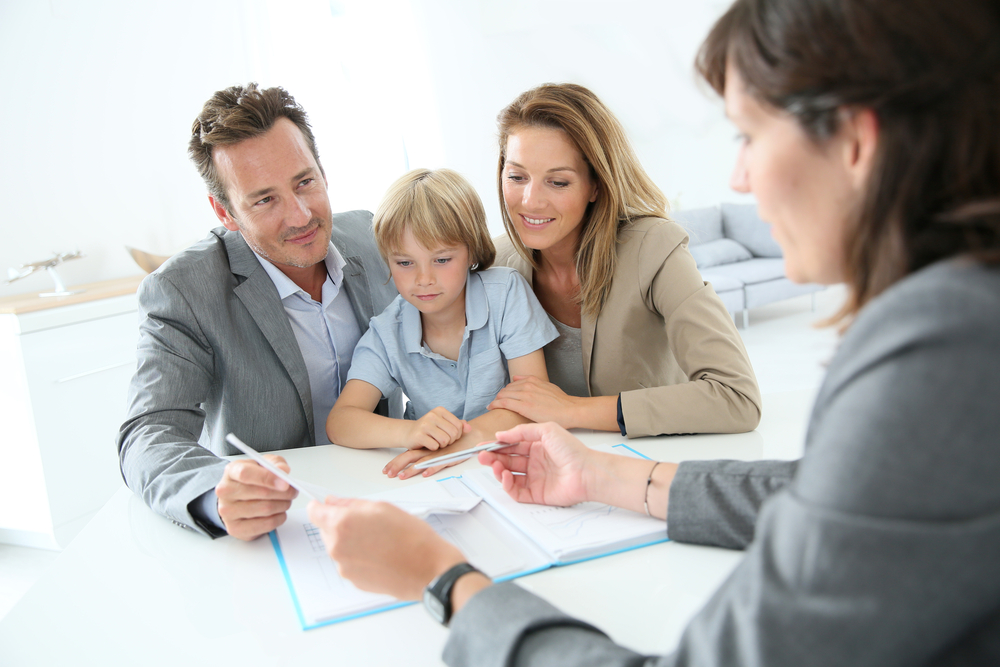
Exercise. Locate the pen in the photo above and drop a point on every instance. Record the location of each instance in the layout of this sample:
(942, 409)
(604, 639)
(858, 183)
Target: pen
(252, 453)
(460, 456)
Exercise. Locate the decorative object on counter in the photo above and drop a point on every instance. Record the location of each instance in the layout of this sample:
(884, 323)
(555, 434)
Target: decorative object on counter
(25, 270)
(148, 262)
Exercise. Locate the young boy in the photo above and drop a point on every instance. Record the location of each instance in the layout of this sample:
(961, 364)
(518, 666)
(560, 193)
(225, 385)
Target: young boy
(452, 338)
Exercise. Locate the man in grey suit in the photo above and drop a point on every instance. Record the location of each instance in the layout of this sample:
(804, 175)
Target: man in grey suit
(252, 329)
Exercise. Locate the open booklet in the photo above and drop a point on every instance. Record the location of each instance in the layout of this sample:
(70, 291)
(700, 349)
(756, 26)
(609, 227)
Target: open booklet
(501, 537)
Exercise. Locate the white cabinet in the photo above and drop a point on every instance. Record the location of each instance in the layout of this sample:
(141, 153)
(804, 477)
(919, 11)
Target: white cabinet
(65, 366)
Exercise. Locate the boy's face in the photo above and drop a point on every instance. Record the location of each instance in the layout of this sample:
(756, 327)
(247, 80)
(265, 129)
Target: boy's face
(433, 280)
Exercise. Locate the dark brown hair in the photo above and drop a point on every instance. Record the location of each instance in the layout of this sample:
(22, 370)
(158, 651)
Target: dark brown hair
(234, 115)
(930, 71)
(624, 191)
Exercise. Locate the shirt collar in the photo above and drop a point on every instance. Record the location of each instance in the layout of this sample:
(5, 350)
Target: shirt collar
(477, 313)
(413, 330)
(286, 287)
(477, 307)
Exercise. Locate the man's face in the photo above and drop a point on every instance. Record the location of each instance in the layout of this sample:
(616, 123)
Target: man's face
(277, 195)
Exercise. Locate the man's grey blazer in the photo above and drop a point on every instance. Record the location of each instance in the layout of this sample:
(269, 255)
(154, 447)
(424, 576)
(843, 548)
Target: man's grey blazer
(216, 354)
(880, 547)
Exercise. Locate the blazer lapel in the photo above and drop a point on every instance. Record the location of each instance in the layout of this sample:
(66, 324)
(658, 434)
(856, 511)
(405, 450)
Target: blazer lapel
(588, 327)
(260, 298)
(359, 291)
(522, 266)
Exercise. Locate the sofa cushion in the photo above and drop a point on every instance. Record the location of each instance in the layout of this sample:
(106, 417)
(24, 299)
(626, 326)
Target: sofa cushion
(719, 251)
(762, 294)
(722, 283)
(741, 223)
(701, 224)
(752, 271)
(734, 300)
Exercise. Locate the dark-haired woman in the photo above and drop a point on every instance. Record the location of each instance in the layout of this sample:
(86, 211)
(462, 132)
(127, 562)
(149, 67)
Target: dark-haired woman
(872, 144)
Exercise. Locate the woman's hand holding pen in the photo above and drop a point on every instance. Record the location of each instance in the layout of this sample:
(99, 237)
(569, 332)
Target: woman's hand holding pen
(557, 469)
(555, 466)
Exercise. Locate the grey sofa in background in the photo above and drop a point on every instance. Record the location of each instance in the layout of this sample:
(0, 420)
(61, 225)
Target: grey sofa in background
(735, 252)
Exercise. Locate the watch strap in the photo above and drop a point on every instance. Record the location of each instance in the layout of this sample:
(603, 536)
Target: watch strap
(440, 589)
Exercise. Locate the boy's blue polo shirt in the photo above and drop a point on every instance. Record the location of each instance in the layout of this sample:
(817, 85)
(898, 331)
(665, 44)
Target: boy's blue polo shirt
(503, 321)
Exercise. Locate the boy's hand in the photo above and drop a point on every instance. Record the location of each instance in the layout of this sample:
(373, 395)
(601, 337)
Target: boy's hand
(438, 428)
(400, 466)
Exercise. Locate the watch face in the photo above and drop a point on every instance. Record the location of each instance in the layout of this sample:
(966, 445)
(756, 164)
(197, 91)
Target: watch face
(434, 606)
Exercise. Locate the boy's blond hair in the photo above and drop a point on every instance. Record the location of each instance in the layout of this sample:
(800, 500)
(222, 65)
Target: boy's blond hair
(441, 209)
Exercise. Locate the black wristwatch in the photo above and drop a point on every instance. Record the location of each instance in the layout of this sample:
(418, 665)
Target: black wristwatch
(437, 595)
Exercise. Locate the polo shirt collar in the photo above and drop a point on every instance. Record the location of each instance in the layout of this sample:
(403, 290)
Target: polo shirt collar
(413, 331)
(477, 313)
(477, 308)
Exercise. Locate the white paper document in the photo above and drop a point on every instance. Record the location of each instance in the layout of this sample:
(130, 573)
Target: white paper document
(568, 534)
(322, 596)
(320, 593)
(503, 538)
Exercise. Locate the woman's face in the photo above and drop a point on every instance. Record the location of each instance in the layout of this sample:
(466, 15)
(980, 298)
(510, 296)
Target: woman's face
(808, 192)
(546, 187)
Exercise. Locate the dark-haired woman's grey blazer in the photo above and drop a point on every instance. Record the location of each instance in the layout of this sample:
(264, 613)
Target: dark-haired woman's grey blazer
(880, 547)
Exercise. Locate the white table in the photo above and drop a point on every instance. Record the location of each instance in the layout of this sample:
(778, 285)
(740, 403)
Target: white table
(133, 588)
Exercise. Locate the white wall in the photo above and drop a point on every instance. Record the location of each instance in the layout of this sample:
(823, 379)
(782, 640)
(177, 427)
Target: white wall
(100, 96)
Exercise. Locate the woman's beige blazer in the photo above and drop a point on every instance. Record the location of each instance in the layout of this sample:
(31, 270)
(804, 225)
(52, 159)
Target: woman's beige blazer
(663, 340)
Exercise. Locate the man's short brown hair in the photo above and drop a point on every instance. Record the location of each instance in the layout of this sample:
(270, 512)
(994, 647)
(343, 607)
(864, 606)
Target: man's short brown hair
(234, 115)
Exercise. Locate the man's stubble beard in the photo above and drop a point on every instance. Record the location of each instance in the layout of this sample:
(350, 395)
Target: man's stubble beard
(292, 233)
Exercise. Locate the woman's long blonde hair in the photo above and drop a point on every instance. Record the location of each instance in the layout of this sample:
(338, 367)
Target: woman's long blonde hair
(624, 190)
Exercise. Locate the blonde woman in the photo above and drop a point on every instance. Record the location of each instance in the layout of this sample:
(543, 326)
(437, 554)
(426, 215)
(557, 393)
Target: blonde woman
(645, 346)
